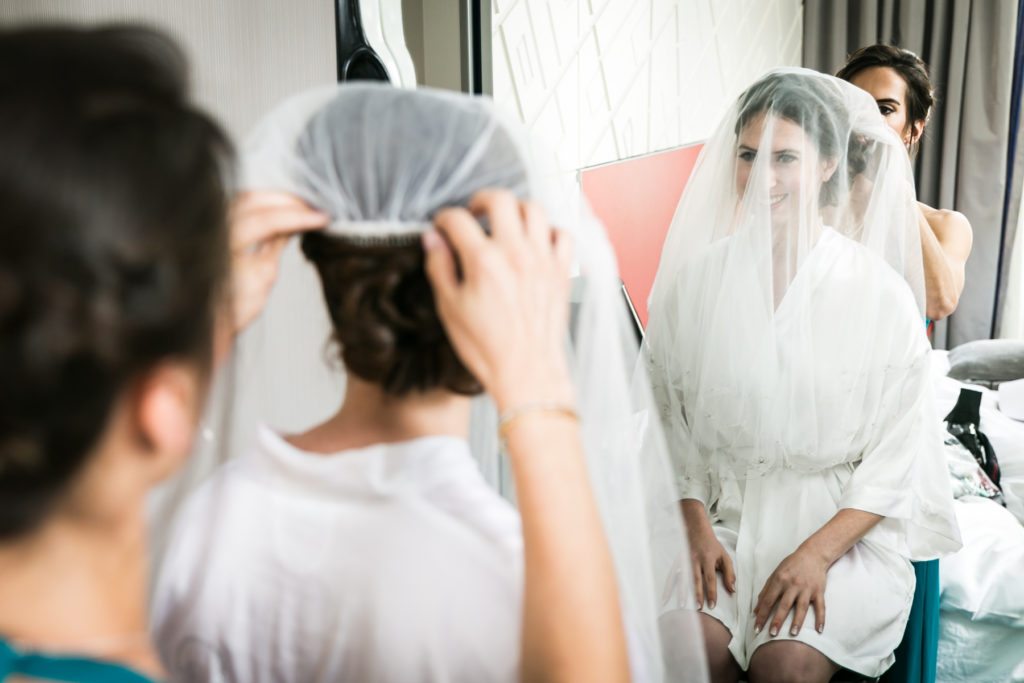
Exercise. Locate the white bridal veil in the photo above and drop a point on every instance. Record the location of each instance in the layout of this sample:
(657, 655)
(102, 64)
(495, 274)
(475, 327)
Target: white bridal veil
(381, 162)
(787, 326)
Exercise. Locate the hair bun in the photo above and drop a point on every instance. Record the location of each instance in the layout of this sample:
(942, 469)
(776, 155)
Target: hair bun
(384, 317)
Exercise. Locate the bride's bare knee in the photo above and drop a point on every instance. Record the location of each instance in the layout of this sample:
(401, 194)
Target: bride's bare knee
(722, 668)
(681, 661)
(788, 661)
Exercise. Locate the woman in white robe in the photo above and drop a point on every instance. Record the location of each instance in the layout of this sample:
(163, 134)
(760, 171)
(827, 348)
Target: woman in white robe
(371, 547)
(787, 348)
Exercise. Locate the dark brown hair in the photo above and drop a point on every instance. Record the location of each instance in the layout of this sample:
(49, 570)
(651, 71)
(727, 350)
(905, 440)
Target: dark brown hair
(910, 67)
(384, 316)
(113, 242)
(363, 162)
(812, 103)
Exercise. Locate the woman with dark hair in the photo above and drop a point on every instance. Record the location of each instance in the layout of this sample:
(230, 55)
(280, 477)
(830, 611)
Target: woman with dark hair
(786, 346)
(374, 546)
(123, 277)
(898, 81)
(114, 254)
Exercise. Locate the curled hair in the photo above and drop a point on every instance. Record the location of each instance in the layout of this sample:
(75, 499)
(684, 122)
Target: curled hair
(113, 242)
(910, 67)
(381, 154)
(815, 105)
(384, 316)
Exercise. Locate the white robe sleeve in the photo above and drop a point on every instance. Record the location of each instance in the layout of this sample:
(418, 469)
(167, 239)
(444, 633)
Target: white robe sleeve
(902, 473)
(691, 471)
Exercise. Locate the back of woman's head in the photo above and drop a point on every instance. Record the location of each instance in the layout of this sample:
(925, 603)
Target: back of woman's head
(911, 68)
(382, 162)
(113, 244)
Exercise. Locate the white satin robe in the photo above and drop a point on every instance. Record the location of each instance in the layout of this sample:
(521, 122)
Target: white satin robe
(391, 563)
(884, 457)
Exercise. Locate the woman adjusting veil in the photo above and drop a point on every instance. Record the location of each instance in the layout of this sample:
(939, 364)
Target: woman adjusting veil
(391, 558)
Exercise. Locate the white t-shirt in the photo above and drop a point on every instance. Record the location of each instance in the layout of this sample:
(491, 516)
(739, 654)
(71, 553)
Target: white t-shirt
(395, 562)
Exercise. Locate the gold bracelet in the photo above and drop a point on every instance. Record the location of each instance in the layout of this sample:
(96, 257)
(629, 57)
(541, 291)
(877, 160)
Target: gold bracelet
(509, 417)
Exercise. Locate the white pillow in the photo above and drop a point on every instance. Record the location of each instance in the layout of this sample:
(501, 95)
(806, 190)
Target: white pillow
(987, 361)
(1011, 398)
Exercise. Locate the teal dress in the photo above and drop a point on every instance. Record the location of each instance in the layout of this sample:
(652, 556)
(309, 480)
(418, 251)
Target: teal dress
(917, 657)
(49, 667)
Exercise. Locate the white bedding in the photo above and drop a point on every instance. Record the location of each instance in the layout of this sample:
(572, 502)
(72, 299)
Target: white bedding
(978, 652)
(985, 579)
(981, 632)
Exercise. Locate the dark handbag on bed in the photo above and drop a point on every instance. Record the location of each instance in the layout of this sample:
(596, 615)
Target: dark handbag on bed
(962, 422)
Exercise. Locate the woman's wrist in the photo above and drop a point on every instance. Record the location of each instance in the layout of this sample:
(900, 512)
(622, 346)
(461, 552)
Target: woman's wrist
(695, 517)
(819, 551)
(551, 386)
(529, 412)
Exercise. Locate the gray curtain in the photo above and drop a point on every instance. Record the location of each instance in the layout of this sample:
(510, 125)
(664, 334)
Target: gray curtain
(968, 45)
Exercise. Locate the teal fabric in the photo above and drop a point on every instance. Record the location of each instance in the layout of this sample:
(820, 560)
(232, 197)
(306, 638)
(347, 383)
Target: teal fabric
(917, 656)
(55, 668)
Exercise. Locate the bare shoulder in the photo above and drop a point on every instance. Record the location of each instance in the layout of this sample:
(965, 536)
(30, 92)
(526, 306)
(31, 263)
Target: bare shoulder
(951, 228)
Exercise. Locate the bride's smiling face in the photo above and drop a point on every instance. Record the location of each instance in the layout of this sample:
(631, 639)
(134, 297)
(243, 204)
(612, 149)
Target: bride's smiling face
(793, 166)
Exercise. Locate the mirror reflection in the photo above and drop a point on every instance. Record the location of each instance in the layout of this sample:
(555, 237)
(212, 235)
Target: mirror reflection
(511, 340)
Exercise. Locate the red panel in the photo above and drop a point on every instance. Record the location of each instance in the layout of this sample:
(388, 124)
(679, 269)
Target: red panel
(636, 199)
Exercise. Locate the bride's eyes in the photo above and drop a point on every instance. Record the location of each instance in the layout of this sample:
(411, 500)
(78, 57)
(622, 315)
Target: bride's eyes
(781, 158)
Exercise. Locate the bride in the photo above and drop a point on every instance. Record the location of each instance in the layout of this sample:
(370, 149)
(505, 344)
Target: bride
(787, 349)
(375, 546)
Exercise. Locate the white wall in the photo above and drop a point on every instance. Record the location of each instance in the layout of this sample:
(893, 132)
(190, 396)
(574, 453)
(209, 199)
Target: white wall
(603, 80)
(432, 34)
(412, 23)
(442, 49)
(245, 54)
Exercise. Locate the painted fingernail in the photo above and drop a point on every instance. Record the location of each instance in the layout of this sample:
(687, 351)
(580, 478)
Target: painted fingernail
(757, 630)
(431, 240)
(821, 629)
(793, 631)
(711, 604)
(774, 632)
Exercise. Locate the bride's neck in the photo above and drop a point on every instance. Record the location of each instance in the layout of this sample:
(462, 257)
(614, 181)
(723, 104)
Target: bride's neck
(370, 416)
(79, 587)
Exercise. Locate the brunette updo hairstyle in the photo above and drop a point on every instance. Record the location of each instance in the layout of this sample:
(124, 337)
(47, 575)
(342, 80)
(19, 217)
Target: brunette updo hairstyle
(910, 67)
(113, 243)
(385, 321)
(377, 294)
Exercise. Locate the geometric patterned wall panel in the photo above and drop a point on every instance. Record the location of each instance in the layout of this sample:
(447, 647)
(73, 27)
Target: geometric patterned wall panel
(602, 80)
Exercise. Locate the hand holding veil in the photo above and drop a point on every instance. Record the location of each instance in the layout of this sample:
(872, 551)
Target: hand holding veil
(381, 162)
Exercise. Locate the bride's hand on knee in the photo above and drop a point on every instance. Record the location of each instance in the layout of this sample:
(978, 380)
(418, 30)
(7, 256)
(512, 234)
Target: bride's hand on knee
(707, 555)
(796, 585)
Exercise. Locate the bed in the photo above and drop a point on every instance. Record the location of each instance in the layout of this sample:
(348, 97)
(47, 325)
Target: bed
(981, 626)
